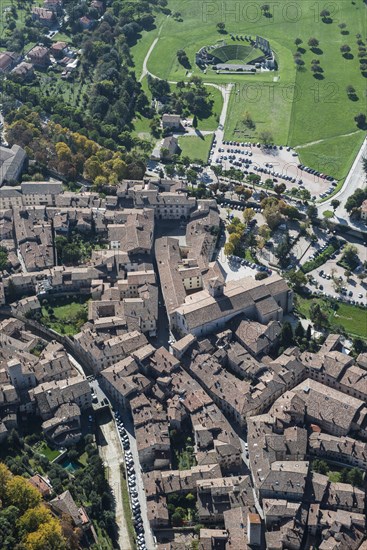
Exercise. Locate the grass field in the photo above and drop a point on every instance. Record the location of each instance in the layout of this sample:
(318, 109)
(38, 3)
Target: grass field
(352, 318)
(44, 449)
(66, 318)
(326, 157)
(195, 147)
(295, 106)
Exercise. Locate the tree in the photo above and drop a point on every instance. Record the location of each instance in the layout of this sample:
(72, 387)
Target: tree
(359, 346)
(48, 535)
(272, 213)
(299, 62)
(355, 477)
(266, 137)
(312, 211)
(342, 27)
(316, 69)
(33, 518)
(318, 317)
(195, 121)
(335, 203)
(20, 493)
(351, 91)
(320, 466)
(308, 333)
(313, 43)
(229, 248)
(170, 170)
(248, 121)
(221, 27)
(176, 519)
(364, 160)
(297, 278)
(355, 200)
(248, 214)
(280, 188)
(282, 251)
(360, 119)
(325, 15)
(253, 178)
(4, 262)
(350, 256)
(298, 41)
(265, 8)
(345, 49)
(299, 331)
(5, 476)
(286, 335)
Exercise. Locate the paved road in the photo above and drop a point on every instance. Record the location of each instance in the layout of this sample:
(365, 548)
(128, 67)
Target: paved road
(112, 455)
(355, 180)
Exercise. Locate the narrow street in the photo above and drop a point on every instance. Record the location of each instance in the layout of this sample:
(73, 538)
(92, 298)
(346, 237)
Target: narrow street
(112, 455)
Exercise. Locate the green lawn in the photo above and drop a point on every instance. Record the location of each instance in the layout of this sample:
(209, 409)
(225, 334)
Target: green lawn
(195, 147)
(211, 123)
(333, 156)
(68, 315)
(61, 37)
(43, 449)
(352, 318)
(296, 107)
(83, 459)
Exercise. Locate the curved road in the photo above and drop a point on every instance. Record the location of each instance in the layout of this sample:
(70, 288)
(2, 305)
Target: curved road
(354, 180)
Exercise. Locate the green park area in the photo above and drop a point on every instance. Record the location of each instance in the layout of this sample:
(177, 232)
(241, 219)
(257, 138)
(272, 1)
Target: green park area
(352, 319)
(195, 147)
(43, 449)
(65, 315)
(338, 474)
(305, 102)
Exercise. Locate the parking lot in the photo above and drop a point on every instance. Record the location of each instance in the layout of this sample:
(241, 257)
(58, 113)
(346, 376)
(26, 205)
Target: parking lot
(278, 163)
(330, 280)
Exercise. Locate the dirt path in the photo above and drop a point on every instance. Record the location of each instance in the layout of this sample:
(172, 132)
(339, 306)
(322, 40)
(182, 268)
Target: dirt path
(326, 139)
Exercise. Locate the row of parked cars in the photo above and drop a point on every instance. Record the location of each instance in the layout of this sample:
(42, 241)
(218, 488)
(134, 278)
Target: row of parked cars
(316, 173)
(268, 170)
(243, 262)
(131, 481)
(225, 204)
(249, 144)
